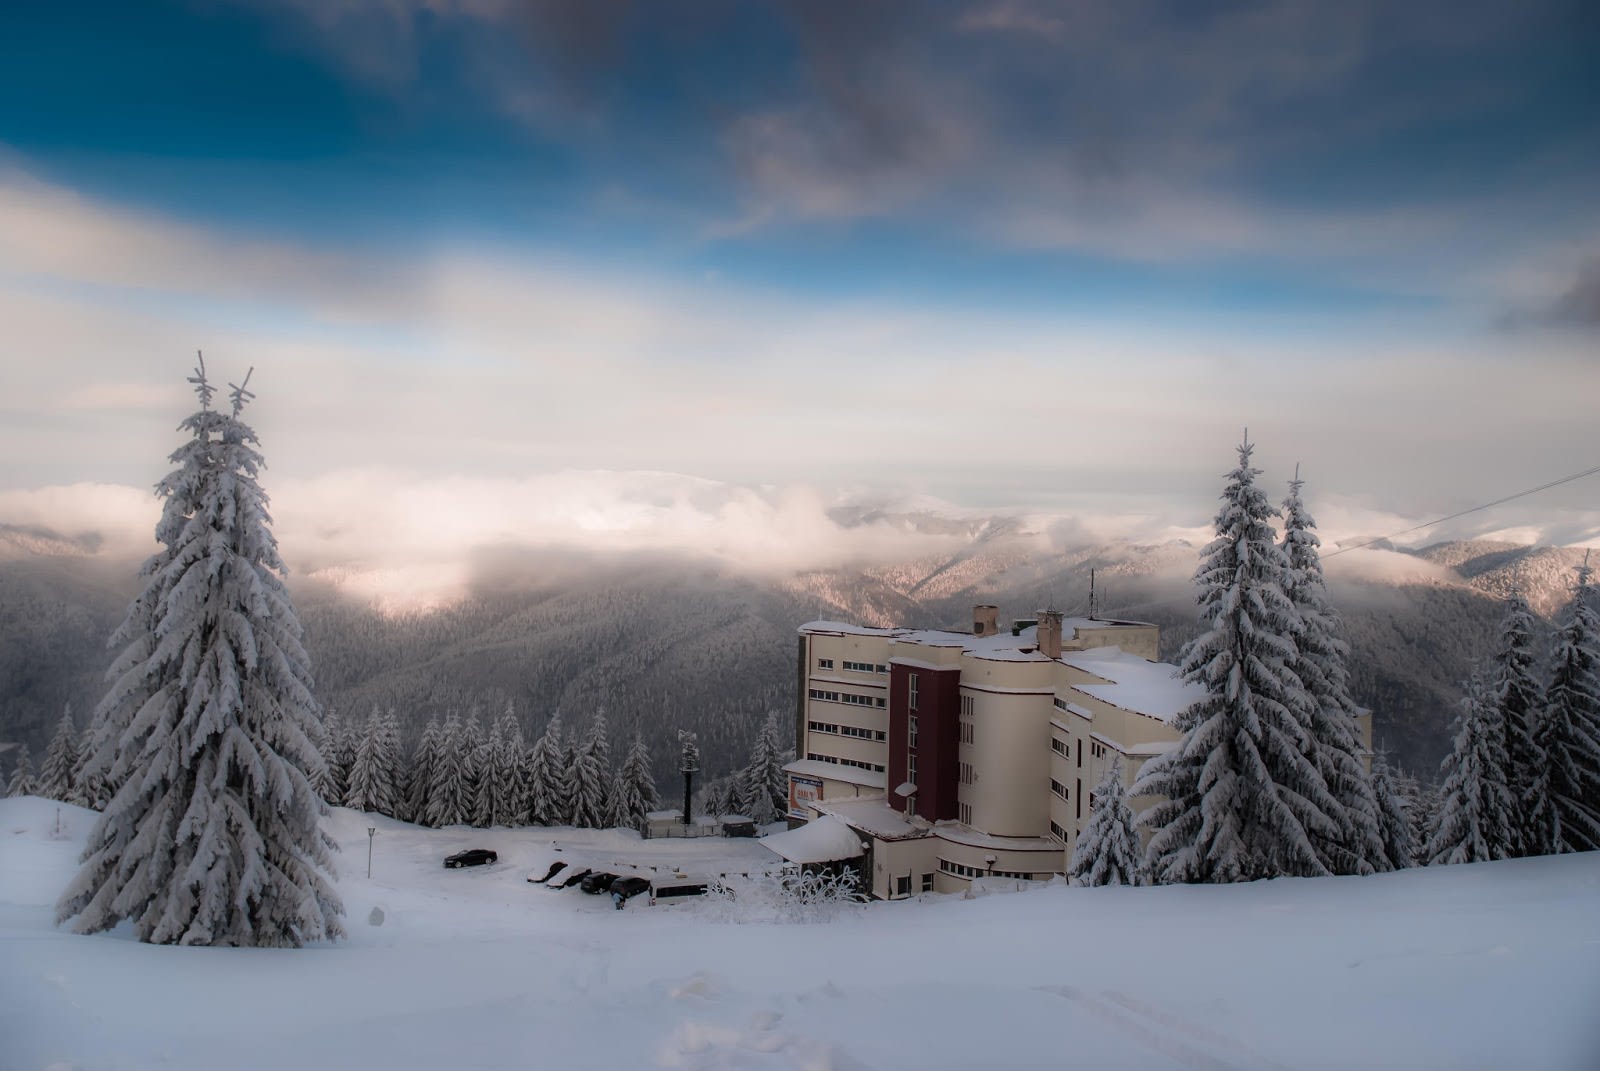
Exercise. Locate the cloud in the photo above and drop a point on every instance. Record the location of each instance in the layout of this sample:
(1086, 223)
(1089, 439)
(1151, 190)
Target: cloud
(1578, 306)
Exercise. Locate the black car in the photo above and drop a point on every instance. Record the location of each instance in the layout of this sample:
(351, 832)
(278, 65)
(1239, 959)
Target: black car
(597, 882)
(470, 857)
(629, 887)
(555, 868)
(567, 881)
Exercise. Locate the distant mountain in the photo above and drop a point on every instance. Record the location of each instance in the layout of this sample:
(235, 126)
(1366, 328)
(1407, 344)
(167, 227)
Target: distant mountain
(664, 643)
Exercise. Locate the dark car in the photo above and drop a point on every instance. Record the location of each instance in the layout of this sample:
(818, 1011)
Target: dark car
(567, 881)
(597, 882)
(629, 887)
(470, 857)
(555, 868)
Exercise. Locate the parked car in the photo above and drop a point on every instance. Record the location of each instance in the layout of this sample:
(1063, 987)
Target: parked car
(630, 886)
(470, 857)
(556, 867)
(565, 880)
(597, 882)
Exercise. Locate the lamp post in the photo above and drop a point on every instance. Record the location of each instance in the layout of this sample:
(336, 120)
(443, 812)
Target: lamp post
(371, 830)
(988, 861)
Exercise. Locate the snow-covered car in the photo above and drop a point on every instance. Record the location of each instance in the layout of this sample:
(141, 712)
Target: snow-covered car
(565, 880)
(598, 882)
(540, 877)
(629, 887)
(470, 857)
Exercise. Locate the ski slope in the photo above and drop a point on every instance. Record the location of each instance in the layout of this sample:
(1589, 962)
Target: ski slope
(1483, 966)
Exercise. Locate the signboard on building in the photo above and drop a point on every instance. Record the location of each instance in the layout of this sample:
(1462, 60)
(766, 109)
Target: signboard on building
(803, 791)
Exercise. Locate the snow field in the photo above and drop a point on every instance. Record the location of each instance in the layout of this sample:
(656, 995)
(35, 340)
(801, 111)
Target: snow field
(1490, 965)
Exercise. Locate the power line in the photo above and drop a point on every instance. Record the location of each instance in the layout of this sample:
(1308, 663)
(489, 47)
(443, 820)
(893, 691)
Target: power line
(1474, 509)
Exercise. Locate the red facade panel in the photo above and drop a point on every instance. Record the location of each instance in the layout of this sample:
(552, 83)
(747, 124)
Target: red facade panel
(938, 713)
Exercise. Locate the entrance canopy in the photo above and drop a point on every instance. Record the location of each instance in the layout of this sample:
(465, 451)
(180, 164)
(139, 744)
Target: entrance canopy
(822, 840)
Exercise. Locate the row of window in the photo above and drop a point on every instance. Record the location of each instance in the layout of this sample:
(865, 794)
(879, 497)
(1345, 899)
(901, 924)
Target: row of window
(865, 667)
(1059, 833)
(966, 732)
(902, 884)
(876, 767)
(1061, 747)
(962, 870)
(964, 813)
(846, 730)
(1058, 788)
(849, 698)
(967, 774)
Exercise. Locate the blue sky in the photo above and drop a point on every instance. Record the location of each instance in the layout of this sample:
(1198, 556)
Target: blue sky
(815, 243)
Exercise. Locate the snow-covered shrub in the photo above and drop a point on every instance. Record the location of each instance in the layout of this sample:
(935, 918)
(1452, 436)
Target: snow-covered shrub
(789, 897)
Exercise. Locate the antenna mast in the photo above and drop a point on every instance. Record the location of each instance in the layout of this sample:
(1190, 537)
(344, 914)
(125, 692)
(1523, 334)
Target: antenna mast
(1094, 608)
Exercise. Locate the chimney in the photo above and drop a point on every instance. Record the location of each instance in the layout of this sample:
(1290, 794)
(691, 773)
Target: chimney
(1050, 633)
(985, 620)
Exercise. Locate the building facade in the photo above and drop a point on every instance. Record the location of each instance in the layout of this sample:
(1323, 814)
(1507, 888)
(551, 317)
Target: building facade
(959, 755)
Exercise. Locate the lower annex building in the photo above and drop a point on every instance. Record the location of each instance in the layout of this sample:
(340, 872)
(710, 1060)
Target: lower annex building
(953, 755)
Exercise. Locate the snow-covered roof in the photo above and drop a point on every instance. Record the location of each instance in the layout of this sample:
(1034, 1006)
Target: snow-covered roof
(956, 833)
(823, 840)
(875, 817)
(844, 628)
(834, 771)
(1137, 684)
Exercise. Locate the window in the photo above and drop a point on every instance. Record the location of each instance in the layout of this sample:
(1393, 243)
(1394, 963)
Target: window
(902, 885)
(848, 698)
(911, 768)
(911, 702)
(1059, 833)
(824, 663)
(1060, 747)
(875, 767)
(969, 776)
(927, 883)
(1097, 750)
(1080, 797)
(1080, 752)
(967, 705)
(865, 667)
(911, 739)
(966, 732)
(846, 730)
(964, 813)
(1058, 788)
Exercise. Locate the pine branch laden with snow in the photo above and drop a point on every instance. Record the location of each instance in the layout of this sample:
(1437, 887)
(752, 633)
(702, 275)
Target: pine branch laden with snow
(762, 786)
(1516, 697)
(1394, 823)
(57, 775)
(1320, 654)
(24, 782)
(1108, 852)
(1477, 819)
(207, 732)
(633, 794)
(419, 778)
(1242, 800)
(1568, 732)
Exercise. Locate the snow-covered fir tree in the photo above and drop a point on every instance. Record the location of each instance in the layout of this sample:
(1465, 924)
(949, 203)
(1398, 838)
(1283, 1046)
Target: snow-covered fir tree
(419, 778)
(1568, 731)
(763, 787)
(1394, 824)
(60, 761)
(333, 780)
(507, 793)
(1108, 852)
(90, 785)
(1477, 819)
(547, 804)
(376, 772)
(450, 790)
(213, 835)
(633, 793)
(1320, 652)
(474, 755)
(591, 780)
(1242, 798)
(24, 782)
(721, 796)
(1516, 698)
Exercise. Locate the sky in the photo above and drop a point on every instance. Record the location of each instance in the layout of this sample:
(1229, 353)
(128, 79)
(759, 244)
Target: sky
(691, 273)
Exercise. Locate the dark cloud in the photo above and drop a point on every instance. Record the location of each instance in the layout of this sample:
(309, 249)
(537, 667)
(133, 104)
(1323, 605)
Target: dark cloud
(1580, 305)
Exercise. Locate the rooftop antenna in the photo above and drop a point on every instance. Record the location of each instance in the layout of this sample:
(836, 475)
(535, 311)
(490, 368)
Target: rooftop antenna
(1094, 607)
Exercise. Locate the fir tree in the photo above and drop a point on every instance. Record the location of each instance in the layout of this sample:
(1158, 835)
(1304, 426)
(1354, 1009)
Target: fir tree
(450, 790)
(763, 787)
(1394, 824)
(474, 756)
(90, 785)
(1568, 733)
(60, 761)
(212, 836)
(23, 781)
(1242, 799)
(591, 779)
(375, 773)
(333, 782)
(633, 794)
(1477, 818)
(547, 806)
(1516, 698)
(419, 780)
(1357, 847)
(721, 797)
(1108, 851)
(508, 800)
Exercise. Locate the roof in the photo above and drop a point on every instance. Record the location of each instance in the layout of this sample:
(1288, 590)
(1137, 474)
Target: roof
(844, 628)
(956, 833)
(1137, 684)
(874, 817)
(834, 771)
(822, 840)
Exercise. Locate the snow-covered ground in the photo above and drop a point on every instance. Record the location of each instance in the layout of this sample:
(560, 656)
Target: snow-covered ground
(1484, 966)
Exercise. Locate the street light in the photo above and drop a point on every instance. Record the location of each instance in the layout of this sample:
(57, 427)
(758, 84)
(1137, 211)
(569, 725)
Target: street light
(371, 830)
